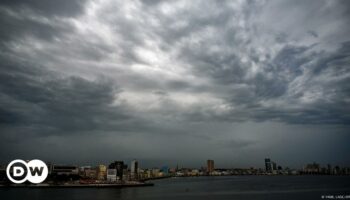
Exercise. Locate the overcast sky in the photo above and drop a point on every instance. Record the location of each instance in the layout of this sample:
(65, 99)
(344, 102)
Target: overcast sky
(176, 82)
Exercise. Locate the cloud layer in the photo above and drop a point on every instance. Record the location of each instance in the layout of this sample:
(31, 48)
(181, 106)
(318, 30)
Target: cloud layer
(147, 79)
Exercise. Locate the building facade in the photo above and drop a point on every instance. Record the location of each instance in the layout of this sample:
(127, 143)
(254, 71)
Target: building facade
(210, 166)
(134, 169)
(268, 165)
(111, 175)
(101, 172)
(119, 166)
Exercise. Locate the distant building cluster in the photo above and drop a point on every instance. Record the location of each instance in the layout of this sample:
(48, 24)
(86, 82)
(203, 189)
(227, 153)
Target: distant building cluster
(118, 172)
(271, 166)
(115, 172)
(315, 168)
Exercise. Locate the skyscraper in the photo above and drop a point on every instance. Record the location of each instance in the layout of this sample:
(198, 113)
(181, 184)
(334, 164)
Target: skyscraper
(133, 169)
(268, 165)
(274, 166)
(119, 166)
(210, 166)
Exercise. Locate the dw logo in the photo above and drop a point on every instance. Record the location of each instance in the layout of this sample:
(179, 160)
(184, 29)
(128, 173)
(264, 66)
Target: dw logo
(35, 171)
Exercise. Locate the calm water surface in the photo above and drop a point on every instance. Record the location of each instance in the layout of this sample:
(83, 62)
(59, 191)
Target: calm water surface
(234, 187)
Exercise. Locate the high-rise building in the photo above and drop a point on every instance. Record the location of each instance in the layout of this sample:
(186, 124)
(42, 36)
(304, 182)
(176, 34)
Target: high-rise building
(119, 166)
(274, 166)
(210, 166)
(329, 169)
(268, 165)
(133, 169)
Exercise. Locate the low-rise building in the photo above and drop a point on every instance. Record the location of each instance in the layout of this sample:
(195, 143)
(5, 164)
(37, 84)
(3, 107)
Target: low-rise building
(65, 170)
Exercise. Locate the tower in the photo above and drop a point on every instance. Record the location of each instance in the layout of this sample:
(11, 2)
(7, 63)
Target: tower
(210, 166)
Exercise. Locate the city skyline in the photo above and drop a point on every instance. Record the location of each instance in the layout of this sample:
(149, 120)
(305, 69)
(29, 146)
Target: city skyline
(175, 83)
(208, 166)
(119, 174)
(120, 168)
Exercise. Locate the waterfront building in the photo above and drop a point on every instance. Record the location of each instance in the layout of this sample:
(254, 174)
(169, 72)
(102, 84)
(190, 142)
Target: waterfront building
(65, 170)
(82, 171)
(149, 173)
(134, 169)
(274, 166)
(101, 172)
(329, 169)
(313, 168)
(172, 170)
(90, 173)
(210, 166)
(165, 170)
(268, 165)
(195, 172)
(155, 172)
(336, 170)
(179, 173)
(119, 166)
(111, 175)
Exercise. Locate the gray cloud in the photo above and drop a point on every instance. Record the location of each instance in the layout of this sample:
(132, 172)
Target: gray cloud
(141, 77)
(37, 98)
(45, 8)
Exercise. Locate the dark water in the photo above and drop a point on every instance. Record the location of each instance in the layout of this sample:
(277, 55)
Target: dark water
(235, 187)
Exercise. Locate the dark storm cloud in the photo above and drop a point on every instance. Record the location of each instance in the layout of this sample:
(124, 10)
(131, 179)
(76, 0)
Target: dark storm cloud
(163, 75)
(47, 102)
(285, 67)
(37, 98)
(237, 144)
(273, 78)
(330, 108)
(65, 8)
(36, 18)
